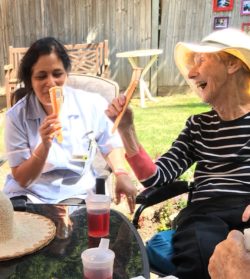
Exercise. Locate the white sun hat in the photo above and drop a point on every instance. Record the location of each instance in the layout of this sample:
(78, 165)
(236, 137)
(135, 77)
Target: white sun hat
(22, 233)
(233, 41)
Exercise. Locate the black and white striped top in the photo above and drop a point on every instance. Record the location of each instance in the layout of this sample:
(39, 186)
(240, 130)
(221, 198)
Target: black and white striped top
(221, 150)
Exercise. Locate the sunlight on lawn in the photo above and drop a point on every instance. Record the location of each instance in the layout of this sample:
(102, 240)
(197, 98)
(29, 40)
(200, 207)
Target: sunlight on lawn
(157, 125)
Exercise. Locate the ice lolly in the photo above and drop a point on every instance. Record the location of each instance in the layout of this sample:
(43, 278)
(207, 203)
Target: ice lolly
(56, 97)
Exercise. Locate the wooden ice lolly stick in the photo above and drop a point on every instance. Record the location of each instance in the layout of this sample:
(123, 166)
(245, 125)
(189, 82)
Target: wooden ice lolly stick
(128, 93)
(56, 97)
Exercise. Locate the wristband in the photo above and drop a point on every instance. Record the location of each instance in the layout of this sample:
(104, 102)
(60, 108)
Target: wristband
(118, 172)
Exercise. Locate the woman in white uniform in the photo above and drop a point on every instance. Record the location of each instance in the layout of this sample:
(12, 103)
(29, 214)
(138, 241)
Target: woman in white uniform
(42, 168)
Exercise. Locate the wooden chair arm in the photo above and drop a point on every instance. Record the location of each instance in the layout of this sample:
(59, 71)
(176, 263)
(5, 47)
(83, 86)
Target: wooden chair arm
(10, 84)
(106, 62)
(8, 67)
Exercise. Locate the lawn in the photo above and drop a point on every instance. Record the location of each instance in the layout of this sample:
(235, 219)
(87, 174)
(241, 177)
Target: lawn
(159, 123)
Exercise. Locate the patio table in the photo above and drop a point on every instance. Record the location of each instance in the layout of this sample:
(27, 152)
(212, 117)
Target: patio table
(62, 257)
(134, 62)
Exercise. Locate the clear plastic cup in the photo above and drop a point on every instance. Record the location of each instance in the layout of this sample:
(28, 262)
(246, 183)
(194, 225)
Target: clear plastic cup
(98, 214)
(98, 262)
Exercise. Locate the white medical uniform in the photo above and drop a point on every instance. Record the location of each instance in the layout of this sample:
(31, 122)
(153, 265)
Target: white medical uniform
(84, 128)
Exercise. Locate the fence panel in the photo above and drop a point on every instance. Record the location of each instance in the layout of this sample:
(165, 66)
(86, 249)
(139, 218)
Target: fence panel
(125, 23)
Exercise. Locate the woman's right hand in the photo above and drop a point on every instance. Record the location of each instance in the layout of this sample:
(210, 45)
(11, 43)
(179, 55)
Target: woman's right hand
(115, 107)
(49, 128)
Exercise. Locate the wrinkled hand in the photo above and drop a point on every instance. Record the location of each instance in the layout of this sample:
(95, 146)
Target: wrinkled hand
(230, 258)
(246, 214)
(49, 128)
(125, 186)
(115, 107)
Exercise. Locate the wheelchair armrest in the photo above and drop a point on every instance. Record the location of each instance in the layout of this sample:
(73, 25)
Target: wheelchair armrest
(157, 194)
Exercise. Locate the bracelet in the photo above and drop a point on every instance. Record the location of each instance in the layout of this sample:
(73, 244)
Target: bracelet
(118, 172)
(36, 156)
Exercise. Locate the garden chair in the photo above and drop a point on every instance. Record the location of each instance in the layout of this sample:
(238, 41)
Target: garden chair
(156, 194)
(86, 58)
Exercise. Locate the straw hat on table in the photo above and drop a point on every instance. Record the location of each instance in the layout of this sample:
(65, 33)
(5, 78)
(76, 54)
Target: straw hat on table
(22, 233)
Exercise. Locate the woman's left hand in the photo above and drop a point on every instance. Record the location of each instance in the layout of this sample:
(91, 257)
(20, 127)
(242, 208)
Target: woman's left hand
(124, 185)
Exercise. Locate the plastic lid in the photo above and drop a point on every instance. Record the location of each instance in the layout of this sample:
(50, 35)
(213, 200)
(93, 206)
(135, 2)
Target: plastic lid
(97, 198)
(99, 257)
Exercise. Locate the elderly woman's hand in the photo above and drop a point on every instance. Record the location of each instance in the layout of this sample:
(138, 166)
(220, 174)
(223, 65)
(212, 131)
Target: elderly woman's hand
(115, 107)
(124, 185)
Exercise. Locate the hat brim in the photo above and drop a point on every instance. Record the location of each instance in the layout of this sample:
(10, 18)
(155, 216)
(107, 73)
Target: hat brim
(183, 52)
(31, 233)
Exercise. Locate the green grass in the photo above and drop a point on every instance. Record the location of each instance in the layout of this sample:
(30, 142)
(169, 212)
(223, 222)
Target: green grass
(160, 122)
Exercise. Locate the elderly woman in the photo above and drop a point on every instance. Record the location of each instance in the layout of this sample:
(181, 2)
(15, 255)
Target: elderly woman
(44, 169)
(218, 141)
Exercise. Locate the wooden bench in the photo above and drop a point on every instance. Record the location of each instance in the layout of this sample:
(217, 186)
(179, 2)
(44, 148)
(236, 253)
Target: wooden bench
(87, 58)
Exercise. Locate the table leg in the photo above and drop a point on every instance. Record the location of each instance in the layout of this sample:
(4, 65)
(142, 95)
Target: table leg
(132, 62)
(150, 63)
(144, 90)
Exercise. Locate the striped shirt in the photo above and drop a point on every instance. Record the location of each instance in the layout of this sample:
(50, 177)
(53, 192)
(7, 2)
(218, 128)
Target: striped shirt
(221, 151)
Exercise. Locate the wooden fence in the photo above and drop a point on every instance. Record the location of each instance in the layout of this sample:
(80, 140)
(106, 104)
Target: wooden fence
(127, 24)
(187, 20)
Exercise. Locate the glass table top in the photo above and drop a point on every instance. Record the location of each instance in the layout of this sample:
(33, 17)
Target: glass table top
(61, 259)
